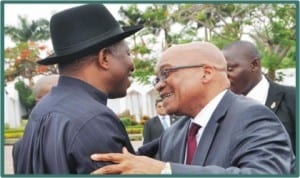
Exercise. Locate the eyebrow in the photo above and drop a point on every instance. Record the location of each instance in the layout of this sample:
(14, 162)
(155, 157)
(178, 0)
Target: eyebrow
(164, 66)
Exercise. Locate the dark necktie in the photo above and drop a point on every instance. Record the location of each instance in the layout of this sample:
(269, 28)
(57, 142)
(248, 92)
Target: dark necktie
(191, 142)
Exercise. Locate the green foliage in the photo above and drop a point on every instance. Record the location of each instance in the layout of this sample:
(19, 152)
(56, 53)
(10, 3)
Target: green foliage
(275, 35)
(6, 126)
(13, 130)
(131, 15)
(28, 31)
(132, 130)
(13, 133)
(22, 58)
(270, 60)
(143, 69)
(220, 42)
(135, 137)
(26, 95)
(141, 49)
(125, 121)
(272, 27)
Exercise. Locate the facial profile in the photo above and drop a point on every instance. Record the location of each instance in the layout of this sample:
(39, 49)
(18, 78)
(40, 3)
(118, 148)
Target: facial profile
(121, 69)
(243, 67)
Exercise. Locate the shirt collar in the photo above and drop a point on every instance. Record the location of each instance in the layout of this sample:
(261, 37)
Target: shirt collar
(260, 91)
(160, 116)
(205, 114)
(73, 83)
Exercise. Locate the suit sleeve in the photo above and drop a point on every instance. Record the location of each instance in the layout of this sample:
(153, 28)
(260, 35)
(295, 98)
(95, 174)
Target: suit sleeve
(291, 102)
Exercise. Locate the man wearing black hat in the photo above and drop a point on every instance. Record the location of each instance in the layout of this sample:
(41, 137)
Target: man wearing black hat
(73, 121)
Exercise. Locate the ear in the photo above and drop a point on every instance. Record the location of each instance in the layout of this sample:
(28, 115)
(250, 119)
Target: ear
(208, 73)
(255, 64)
(103, 58)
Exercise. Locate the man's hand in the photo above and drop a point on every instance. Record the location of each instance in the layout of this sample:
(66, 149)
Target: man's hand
(127, 163)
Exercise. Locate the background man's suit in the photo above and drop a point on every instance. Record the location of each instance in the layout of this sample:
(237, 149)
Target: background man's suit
(153, 128)
(282, 101)
(240, 137)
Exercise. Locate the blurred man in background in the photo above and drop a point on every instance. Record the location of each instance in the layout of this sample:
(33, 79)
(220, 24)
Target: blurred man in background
(246, 78)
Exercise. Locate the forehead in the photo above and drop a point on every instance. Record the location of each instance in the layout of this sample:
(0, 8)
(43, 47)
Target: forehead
(159, 104)
(234, 55)
(177, 56)
(123, 44)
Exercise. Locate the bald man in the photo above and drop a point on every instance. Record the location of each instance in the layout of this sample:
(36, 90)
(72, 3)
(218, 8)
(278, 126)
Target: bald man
(246, 78)
(43, 86)
(223, 133)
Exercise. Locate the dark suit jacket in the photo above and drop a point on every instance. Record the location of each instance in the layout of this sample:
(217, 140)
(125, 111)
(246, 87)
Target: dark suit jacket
(282, 101)
(153, 128)
(65, 128)
(241, 137)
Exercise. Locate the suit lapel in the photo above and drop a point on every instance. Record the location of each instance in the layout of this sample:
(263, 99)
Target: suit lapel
(158, 124)
(179, 142)
(172, 119)
(211, 129)
(274, 97)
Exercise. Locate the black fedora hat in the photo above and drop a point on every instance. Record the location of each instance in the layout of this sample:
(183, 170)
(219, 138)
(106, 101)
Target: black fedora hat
(81, 30)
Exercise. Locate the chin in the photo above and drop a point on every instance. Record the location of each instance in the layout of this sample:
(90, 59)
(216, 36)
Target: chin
(116, 95)
(171, 111)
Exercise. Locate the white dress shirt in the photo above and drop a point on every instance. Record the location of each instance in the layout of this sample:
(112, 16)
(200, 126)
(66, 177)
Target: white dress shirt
(260, 91)
(166, 118)
(205, 114)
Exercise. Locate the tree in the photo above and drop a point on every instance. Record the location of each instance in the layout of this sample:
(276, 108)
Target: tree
(275, 34)
(272, 27)
(21, 59)
(27, 96)
(28, 31)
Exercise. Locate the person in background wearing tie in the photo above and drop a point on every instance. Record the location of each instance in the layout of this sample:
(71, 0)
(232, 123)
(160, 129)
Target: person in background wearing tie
(223, 133)
(154, 127)
(246, 78)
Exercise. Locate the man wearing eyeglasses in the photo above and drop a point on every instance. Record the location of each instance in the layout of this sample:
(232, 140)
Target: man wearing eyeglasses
(223, 133)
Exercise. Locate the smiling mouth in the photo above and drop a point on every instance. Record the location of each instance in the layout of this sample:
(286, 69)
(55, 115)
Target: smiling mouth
(166, 95)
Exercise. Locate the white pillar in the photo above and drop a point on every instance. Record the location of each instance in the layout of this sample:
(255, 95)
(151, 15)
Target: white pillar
(12, 106)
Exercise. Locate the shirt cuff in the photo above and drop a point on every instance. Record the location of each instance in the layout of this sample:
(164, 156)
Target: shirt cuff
(167, 169)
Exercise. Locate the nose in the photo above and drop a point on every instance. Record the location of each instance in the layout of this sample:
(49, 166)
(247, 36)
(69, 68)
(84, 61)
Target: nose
(160, 85)
(229, 74)
(131, 66)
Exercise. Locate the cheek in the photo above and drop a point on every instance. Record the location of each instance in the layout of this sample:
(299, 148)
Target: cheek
(183, 91)
(233, 75)
(122, 68)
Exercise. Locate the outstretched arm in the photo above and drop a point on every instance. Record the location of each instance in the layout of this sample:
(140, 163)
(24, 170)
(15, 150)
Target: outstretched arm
(127, 163)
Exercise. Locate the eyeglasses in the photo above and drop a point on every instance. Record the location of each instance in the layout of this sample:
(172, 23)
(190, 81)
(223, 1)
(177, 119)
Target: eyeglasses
(164, 74)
